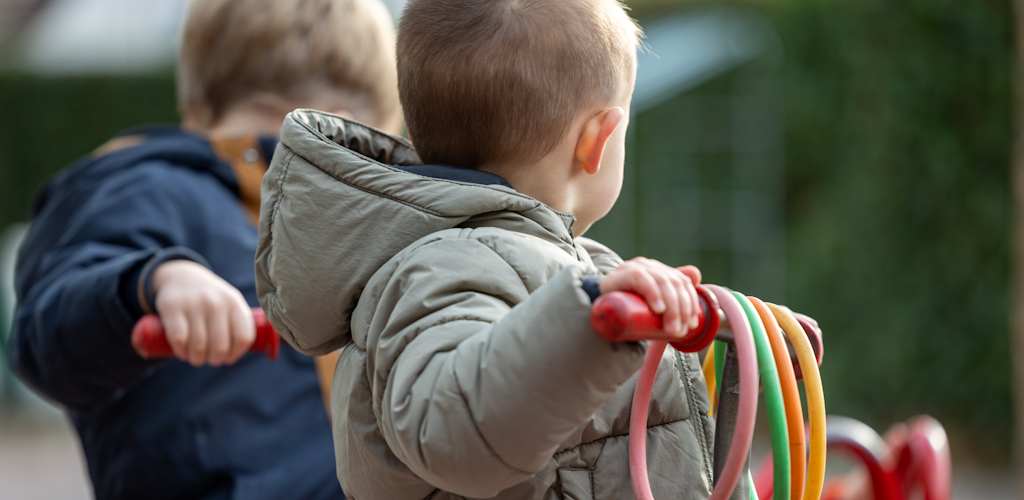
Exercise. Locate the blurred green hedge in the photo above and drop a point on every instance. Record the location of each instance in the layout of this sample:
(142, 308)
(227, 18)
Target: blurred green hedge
(898, 137)
(47, 123)
(898, 129)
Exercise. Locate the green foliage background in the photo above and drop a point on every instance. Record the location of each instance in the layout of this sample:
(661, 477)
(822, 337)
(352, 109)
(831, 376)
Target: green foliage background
(46, 123)
(898, 120)
(898, 204)
(899, 124)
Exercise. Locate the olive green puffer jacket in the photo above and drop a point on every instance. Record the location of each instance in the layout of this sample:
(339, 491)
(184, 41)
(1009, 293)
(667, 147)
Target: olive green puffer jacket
(469, 366)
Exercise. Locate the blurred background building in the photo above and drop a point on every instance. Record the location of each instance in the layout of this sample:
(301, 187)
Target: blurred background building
(849, 157)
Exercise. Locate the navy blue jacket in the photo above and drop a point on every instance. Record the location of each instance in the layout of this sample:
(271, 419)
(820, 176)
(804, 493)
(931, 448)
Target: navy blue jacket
(160, 429)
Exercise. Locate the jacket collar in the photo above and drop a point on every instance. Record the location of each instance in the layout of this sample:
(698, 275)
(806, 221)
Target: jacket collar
(375, 161)
(452, 173)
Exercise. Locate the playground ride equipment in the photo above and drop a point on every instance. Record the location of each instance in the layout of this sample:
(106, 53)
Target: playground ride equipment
(625, 316)
(915, 459)
(911, 458)
(747, 337)
(150, 341)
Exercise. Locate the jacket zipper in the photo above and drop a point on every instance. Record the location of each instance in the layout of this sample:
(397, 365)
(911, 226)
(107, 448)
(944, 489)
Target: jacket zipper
(695, 417)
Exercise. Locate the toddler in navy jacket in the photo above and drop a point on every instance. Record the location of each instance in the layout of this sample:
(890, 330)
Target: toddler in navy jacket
(163, 220)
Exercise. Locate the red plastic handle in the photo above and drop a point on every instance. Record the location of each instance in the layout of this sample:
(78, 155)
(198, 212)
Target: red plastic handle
(625, 316)
(150, 341)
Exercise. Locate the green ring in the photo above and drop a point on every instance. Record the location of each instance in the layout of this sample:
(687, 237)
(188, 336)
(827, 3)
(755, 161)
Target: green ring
(773, 400)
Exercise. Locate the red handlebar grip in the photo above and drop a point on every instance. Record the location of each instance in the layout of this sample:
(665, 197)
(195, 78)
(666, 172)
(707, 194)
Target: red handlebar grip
(150, 341)
(625, 316)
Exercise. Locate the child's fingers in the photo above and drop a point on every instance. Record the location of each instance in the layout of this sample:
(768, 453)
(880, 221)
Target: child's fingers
(198, 339)
(682, 297)
(676, 294)
(691, 291)
(694, 276)
(692, 272)
(679, 281)
(638, 276)
(686, 305)
(670, 320)
(176, 329)
(219, 332)
(243, 331)
(641, 282)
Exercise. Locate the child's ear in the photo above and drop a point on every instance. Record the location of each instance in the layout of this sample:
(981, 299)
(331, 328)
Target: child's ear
(594, 137)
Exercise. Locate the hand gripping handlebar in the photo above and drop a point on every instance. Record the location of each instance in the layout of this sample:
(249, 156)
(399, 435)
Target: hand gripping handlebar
(625, 316)
(619, 316)
(150, 341)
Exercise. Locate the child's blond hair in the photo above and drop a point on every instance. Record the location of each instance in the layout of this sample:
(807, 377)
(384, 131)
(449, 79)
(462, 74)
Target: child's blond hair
(331, 54)
(490, 82)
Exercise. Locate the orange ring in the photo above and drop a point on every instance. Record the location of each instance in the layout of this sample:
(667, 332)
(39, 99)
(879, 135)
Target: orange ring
(790, 397)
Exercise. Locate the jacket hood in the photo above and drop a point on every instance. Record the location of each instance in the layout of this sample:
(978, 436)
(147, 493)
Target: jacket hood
(337, 205)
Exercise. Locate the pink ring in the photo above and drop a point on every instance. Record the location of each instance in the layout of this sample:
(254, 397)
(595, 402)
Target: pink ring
(740, 447)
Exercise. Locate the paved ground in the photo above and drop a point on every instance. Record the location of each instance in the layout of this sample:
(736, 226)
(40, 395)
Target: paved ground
(40, 460)
(974, 483)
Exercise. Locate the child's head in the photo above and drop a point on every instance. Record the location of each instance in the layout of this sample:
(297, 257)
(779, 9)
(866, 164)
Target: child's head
(325, 54)
(502, 84)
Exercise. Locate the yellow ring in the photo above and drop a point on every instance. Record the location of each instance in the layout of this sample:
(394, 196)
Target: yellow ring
(815, 399)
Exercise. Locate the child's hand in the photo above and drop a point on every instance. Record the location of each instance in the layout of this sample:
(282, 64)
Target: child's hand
(669, 291)
(206, 319)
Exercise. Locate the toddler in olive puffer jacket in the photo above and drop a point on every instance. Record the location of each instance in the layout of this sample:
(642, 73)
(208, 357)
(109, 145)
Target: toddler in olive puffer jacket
(454, 274)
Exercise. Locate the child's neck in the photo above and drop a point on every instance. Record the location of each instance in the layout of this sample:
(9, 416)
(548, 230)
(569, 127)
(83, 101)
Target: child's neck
(249, 120)
(550, 180)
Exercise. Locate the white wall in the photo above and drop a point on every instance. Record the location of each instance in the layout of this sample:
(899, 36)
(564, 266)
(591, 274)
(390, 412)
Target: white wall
(109, 36)
(103, 36)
